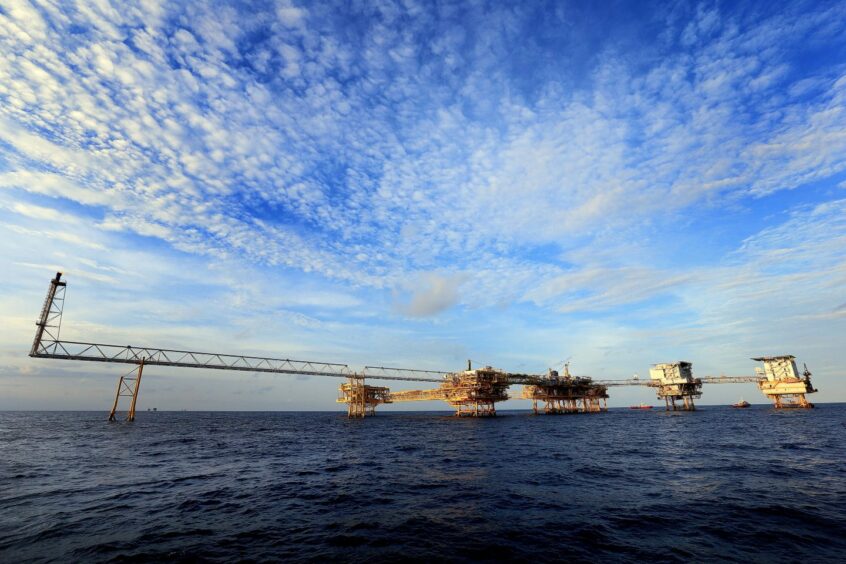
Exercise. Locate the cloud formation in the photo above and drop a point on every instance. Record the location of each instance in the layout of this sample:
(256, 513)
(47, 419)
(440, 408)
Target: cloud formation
(682, 172)
(433, 294)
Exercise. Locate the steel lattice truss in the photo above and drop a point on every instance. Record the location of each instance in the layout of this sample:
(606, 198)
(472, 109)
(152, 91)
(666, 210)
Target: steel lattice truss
(544, 379)
(731, 379)
(98, 352)
(407, 374)
(629, 382)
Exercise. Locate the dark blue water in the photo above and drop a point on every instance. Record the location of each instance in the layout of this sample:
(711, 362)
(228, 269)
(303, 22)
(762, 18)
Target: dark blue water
(742, 485)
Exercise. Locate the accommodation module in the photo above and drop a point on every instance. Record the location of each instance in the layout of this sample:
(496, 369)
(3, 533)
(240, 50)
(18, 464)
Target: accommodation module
(781, 382)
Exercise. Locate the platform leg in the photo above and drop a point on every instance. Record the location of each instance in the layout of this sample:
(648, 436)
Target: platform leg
(131, 415)
(128, 386)
(117, 397)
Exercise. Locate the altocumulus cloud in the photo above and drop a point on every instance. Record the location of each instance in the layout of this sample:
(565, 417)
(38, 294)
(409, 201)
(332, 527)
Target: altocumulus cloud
(556, 158)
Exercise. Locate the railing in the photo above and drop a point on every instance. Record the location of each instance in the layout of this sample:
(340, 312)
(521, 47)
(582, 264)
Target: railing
(418, 395)
(731, 379)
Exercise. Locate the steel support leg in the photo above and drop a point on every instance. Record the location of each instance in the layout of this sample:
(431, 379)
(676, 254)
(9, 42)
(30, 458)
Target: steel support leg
(131, 415)
(117, 397)
(128, 387)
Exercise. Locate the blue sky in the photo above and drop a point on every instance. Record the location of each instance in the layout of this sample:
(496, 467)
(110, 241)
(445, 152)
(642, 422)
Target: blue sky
(416, 184)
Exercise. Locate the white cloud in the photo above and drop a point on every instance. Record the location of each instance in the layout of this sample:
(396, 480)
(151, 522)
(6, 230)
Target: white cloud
(38, 148)
(601, 288)
(59, 235)
(56, 186)
(431, 294)
(42, 213)
(354, 157)
(72, 272)
(549, 171)
(27, 19)
(291, 16)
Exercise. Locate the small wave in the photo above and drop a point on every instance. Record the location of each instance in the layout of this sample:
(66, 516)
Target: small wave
(580, 488)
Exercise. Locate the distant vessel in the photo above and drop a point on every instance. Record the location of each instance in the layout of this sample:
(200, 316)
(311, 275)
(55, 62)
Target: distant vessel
(641, 406)
(741, 403)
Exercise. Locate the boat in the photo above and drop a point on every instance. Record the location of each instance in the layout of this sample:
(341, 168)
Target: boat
(741, 403)
(641, 406)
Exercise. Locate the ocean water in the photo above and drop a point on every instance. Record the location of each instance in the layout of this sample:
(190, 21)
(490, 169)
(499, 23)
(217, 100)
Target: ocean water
(750, 485)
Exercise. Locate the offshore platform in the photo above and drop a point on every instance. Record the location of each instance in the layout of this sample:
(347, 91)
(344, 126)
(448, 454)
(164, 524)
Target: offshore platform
(471, 392)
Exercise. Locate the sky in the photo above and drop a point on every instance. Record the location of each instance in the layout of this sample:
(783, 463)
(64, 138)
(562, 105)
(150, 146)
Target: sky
(416, 184)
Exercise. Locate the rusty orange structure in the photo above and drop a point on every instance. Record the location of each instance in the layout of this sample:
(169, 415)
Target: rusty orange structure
(566, 394)
(475, 393)
(128, 386)
(362, 399)
(472, 393)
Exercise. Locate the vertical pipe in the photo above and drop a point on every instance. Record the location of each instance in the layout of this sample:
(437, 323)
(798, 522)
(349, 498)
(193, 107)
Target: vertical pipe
(350, 399)
(364, 397)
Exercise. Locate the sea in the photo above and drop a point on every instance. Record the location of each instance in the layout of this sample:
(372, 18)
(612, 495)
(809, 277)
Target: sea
(717, 484)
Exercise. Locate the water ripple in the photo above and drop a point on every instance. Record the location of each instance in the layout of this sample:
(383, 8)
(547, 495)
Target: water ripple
(748, 486)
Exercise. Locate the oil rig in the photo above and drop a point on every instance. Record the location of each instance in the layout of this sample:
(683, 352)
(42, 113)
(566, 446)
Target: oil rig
(471, 392)
(675, 382)
(475, 392)
(780, 381)
(566, 393)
